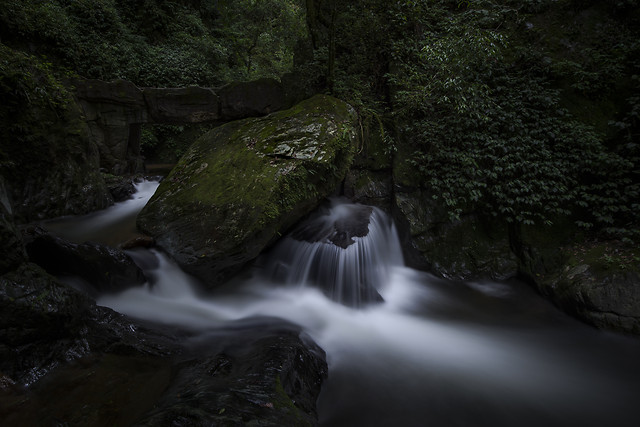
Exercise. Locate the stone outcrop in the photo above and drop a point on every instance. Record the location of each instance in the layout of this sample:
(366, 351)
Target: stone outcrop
(183, 105)
(242, 184)
(467, 249)
(598, 282)
(104, 269)
(115, 112)
(251, 99)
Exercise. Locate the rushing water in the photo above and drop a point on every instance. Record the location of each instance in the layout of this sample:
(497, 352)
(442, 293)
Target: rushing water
(432, 353)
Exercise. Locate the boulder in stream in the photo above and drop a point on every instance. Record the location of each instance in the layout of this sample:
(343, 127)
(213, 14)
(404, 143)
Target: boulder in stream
(105, 269)
(244, 183)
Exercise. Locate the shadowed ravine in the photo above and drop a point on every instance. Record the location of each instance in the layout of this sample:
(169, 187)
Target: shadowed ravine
(403, 347)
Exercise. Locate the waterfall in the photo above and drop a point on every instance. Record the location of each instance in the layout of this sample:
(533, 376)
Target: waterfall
(346, 249)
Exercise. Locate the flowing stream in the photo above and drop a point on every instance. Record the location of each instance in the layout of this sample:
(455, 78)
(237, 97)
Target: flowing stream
(403, 347)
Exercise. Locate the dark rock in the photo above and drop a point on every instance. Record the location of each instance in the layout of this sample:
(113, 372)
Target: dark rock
(339, 230)
(113, 112)
(139, 242)
(105, 269)
(120, 187)
(120, 92)
(36, 315)
(245, 182)
(183, 105)
(45, 324)
(251, 99)
(12, 251)
(369, 187)
(268, 376)
(470, 248)
(598, 282)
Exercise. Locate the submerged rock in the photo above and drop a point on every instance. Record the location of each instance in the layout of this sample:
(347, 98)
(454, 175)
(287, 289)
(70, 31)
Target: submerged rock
(242, 184)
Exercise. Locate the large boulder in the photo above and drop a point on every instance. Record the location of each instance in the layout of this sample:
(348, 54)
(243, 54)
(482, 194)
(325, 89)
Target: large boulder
(244, 183)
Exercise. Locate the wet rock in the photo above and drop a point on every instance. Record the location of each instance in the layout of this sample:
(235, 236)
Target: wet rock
(41, 323)
(105, 269)
(267, 376)
(245, 182)
(46, 324)
(339, 230)
(120, 187)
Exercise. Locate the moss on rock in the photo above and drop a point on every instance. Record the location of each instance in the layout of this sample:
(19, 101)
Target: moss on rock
(245, 182)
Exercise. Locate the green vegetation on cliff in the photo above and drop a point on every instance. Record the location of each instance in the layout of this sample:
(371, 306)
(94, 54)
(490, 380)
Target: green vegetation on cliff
(155, 42)
(523, 111)
(46, 157)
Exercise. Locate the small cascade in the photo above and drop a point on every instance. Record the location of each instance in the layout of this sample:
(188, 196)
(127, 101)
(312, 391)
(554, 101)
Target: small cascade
(346, 249)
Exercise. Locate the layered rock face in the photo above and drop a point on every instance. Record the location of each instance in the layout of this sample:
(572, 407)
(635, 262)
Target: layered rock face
(242, 184)
(115, 111)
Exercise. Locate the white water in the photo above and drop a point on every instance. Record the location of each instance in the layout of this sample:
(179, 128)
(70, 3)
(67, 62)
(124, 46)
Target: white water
(433, 353)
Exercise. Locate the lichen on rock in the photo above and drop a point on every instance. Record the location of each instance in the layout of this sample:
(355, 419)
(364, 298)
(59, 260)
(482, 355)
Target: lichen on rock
(242, 184)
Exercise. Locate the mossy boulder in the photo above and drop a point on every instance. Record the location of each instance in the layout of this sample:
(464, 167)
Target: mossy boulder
(244, 183)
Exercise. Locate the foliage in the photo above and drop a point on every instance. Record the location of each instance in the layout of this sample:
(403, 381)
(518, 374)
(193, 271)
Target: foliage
(494, 110)
(35, 106)
(167, 143)
(260, 36)
(158, 43)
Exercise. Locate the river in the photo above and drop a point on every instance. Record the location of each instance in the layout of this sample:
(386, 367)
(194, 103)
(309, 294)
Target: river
(430, 352)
